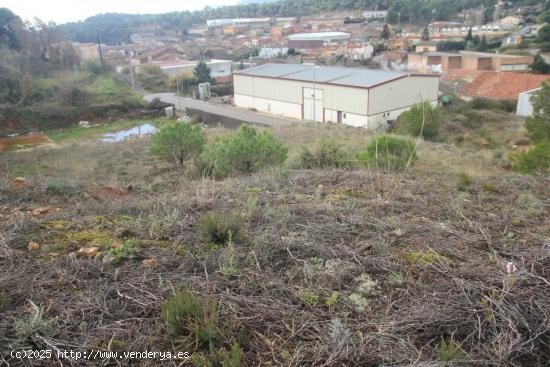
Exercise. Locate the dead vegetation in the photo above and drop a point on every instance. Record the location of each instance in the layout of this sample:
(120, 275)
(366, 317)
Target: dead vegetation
(324, 268)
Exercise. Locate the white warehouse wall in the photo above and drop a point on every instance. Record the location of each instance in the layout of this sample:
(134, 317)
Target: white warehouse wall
(347, 118)
(402, 93)
(347, 99)
(270, 106)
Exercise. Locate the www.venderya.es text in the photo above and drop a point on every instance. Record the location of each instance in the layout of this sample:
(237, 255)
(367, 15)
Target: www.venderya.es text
(96, 354)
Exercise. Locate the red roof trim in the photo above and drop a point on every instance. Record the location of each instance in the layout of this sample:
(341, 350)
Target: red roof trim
(336, 84)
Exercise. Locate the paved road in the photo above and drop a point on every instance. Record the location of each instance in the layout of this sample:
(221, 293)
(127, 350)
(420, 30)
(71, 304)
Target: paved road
(219, 109)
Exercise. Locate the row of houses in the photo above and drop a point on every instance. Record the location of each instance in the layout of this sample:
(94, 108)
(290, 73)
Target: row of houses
(467, 60)
(452, 28)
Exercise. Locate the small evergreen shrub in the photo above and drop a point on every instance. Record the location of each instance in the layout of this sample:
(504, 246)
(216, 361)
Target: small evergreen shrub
(388, 153)
(179, 142)
(332, 299)
(328, 154)
(188, 315)
(489, 187)
(421, 120)
(464, 181)
(126, 251)
(220, 228)
(242, 153)
(450, 351)
(310, 298)
(196, 322)
(225, 358)
(535, 160)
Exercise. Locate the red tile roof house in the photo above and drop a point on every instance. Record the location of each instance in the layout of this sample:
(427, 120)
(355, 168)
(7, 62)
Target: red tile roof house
(492, 84)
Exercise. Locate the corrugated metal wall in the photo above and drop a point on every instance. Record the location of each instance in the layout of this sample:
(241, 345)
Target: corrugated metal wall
(276, 89)
(403, 93)
(353, 100)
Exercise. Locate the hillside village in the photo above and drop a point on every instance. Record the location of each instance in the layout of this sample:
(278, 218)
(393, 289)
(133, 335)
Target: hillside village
(277, 183)
(469, 50)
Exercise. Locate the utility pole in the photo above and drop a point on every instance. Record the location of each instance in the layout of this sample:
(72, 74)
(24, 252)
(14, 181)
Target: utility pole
(100, 52)
(76, 74)
(132, 74)
(399, 20)
(178, 93)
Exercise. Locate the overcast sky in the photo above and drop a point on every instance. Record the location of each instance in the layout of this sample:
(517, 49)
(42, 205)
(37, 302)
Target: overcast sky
(62, 11)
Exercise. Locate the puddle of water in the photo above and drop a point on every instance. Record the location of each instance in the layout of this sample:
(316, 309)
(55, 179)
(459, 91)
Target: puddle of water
(141, 130)
(23, 141)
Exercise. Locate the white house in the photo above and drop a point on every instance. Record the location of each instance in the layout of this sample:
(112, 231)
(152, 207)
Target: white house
(359, 51)
(375, 14)
(352, 96)
(269, 52)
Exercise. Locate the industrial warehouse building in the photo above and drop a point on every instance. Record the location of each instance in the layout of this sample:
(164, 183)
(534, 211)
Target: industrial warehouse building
(316, 40)
(351, 96)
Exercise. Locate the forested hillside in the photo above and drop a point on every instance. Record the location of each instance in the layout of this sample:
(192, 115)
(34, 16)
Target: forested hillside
(44, 85)
(116, 28)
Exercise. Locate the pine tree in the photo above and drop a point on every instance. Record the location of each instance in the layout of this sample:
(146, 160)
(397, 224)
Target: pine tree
(469, 36)
(539, 66)
(202, 72)
(425, 34)
(483, 44)
(385, 32)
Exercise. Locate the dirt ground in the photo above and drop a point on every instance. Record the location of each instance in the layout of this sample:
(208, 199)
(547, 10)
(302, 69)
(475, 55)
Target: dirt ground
(331, 267)
(23, 141)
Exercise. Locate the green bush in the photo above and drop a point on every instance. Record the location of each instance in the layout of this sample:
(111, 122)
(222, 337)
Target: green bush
(327, 154)
(388, 153)
(179, 142)
(94, 67)
(535, 160)
(421, 120)
(152, 79)
(480, 103)
(243, 153)
(220, 228)
(222, 89)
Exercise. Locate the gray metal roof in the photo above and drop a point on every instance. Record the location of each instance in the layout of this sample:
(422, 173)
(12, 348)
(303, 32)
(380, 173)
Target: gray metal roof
(319, 36)
(353, 77)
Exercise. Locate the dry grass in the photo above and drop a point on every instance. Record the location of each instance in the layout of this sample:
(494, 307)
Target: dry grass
(92, 160)
(413, 261)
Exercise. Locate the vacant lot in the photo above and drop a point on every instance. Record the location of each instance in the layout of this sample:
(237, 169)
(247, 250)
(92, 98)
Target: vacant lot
(323, 267)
